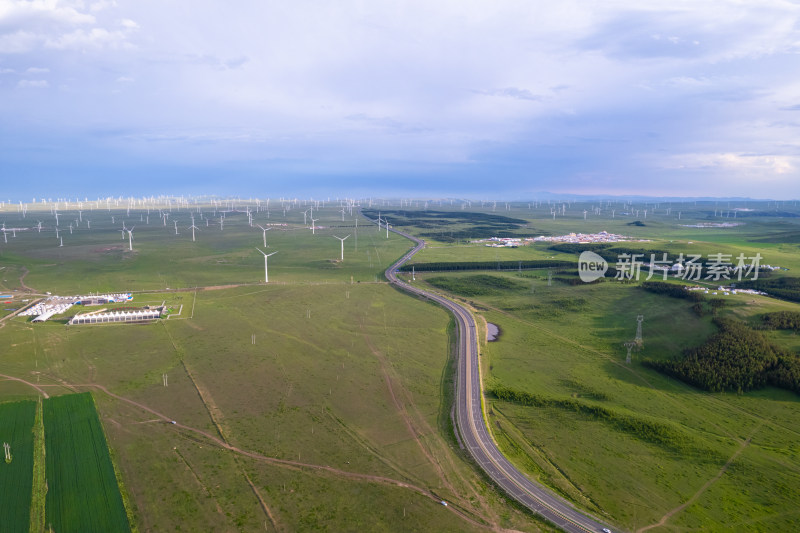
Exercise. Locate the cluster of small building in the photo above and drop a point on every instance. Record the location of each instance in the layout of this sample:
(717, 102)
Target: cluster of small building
(135, 315)
(725, 291)
(55, 305)
(587, 238)
(713, 225)
(576, 238)
(505, 242)
(46, 309)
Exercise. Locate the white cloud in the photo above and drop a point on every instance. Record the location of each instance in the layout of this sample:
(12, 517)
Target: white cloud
(33, 84)
(37, 70)
(419, 80)
(82, 39)
(512, 92)
(18, 42)
(27, 26)
(764, 165)
(101, 5)
(25, 12)
(7, 71)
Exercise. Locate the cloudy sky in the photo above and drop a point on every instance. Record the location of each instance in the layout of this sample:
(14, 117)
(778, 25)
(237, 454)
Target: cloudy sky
(465, 98)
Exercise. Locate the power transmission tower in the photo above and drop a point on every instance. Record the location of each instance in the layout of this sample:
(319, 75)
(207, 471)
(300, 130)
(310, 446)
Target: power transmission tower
(638, 339)
(629, 345)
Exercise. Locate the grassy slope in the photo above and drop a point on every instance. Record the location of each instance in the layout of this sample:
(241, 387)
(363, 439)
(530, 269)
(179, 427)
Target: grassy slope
(566, 342)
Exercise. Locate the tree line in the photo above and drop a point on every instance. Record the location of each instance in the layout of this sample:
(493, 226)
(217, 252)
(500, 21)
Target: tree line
(781, 320)
(647, 430)
(487, 265)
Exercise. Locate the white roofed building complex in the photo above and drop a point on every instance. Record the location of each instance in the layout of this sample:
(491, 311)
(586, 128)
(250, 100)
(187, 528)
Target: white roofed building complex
(135, 315)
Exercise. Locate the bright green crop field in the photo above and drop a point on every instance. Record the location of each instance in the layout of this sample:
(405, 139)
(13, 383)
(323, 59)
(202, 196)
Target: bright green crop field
(16, 476)
(82, 490)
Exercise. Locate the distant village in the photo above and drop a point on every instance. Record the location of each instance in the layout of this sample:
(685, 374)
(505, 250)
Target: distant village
(575, 238)
(725, 291)
(713, 225)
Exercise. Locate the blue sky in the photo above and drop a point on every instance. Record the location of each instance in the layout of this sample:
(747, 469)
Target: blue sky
(461, 98)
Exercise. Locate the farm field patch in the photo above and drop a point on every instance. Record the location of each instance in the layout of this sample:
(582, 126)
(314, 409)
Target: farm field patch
(16, 475)
(82, 489)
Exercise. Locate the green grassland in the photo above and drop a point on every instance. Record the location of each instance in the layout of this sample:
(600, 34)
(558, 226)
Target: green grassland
(16, 477)
(97, 259)
(775, 237)
(626, 441)
(82, 490)
(337, 417)
(321, 401)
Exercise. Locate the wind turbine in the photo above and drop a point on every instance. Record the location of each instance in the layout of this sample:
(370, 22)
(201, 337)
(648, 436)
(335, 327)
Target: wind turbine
(313, 227)
(193, 227)
(130, 238)
(265, 233)
(266, 272)
(341, 239)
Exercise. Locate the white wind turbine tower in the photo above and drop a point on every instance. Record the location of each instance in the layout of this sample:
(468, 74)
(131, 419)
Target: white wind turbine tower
(313, 226)
(265, 230)
(266, 272)
(193, 227)
(342, 240)
(130, 238)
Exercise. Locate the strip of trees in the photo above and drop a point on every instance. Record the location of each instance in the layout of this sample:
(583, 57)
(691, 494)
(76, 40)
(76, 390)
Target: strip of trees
(487, 265)
(642, 428)
(782, 320)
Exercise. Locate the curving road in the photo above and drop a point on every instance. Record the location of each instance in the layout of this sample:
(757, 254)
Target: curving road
(471, 425)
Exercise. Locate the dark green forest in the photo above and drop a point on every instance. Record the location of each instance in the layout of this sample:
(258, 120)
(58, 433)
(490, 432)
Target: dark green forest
(737, 358)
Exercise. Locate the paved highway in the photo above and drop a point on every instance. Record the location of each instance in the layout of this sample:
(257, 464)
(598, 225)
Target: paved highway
(471, 423)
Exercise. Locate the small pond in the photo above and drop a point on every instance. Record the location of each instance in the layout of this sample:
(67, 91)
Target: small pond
(492, 332)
